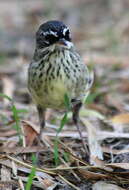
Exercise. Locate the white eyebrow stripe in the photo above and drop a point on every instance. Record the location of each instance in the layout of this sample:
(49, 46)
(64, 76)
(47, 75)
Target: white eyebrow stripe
(65, 30)
(50, 32)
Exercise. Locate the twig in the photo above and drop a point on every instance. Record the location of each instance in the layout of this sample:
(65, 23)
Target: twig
(29, 166)
(69, 183)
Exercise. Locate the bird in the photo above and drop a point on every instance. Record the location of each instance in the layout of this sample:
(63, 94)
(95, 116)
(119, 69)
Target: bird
(57, 69)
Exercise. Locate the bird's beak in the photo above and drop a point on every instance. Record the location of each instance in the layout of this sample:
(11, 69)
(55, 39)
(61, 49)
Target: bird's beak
(64, 43)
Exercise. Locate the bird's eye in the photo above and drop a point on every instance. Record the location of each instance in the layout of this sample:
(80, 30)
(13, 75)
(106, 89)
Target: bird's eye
(51, 38)
(67, 35)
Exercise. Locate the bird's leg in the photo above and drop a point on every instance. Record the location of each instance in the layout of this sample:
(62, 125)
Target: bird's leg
(76, 109)
(41, 113)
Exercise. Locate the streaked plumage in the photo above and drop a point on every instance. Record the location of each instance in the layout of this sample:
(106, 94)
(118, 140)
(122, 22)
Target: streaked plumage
(56, 70)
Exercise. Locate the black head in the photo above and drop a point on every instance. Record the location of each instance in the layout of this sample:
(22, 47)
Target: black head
(52, 32)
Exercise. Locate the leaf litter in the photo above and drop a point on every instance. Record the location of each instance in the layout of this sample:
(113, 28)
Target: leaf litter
(104, 119)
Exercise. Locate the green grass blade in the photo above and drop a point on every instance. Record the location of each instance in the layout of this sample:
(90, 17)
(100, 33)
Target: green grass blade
(67, 102)
(56, 152)
(5, 96)
(17, 125)
(32, 174)
(62, 123)
(66, 156)
(15, 112)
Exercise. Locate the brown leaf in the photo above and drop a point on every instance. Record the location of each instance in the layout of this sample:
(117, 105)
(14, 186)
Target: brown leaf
(30, 132)
(8, 133)
(91, 175)
(20, 150)
(47, 183)
(10, 144)
(94, 145)
(121, 118)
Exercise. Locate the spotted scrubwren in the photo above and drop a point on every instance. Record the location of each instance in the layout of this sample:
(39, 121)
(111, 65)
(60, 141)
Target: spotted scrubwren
(56, 70)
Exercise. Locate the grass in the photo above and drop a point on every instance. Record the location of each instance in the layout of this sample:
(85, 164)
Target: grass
(66, 156)
(16, 117)
(17, 123)
(56, 152)
(15, 113)
(62, 123)
(32, 174)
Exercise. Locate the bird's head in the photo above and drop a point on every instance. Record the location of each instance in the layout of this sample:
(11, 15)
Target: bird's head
(53, 34)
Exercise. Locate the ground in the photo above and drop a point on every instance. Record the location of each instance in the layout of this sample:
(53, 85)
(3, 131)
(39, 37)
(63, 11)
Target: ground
(100, 31)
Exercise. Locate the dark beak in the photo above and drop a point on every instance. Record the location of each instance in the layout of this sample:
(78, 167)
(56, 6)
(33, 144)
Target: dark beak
(62, 42)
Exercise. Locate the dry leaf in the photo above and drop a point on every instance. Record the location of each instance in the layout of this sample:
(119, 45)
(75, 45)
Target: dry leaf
(121, 119)
(29, 132)
(21, 183)
(5, 173)
(9, 144)
(24, 169)
(98, 162)
(104, 134)
(105, 186)
(94, 146)
(14, 168)
(120, 122)
(21, 150)
(72, 134)
(32, 125)
(8, 133)
(91, 175)
(100, 134)
(48, 184)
